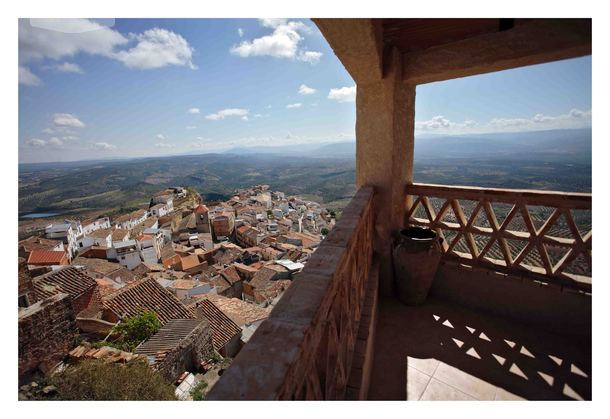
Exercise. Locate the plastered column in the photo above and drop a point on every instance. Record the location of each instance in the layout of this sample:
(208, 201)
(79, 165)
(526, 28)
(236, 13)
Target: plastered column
(385, 112)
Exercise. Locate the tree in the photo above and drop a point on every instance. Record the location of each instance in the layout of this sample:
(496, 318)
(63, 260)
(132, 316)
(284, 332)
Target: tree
(94, 379)
(324, 231)
(136, 329)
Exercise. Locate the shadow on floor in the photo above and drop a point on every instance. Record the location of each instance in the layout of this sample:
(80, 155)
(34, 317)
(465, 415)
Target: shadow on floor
(530, 363)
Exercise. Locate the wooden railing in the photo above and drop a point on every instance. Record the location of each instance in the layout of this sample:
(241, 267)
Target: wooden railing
(305, 349)
(547, 234)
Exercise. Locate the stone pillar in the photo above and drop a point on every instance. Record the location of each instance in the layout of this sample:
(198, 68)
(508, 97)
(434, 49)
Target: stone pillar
(385, 114)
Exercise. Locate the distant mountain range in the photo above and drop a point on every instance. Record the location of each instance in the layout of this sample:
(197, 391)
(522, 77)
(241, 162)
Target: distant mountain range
(557, 145)
(549, 160)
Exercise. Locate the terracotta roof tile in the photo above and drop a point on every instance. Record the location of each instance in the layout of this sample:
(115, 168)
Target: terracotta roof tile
(49, 257)
(69, 280)
(38, 243)
(223, 328)
(240, 311)
(231, 275)
(147, 294)
(169, 337)
(201, 209)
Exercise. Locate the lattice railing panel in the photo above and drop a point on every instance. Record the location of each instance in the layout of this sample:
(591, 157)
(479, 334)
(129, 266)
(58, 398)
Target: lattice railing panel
(545, 233)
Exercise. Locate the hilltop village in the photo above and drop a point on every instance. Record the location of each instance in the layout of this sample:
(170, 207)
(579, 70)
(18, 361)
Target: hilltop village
(209, 274)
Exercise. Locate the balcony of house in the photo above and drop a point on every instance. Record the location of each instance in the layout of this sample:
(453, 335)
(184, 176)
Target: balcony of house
(509, 312)
(508, 316)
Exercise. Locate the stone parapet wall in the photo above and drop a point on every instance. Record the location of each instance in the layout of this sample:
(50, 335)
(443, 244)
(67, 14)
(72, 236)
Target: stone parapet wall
(46, 332)
(187, 356)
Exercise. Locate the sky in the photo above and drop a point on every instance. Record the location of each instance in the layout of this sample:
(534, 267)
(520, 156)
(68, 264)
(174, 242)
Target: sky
(108, 88)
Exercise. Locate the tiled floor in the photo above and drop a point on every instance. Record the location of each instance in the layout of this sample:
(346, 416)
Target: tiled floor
(440, 351)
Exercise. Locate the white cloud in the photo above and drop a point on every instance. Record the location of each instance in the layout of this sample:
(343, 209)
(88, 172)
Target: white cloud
(165, 145)
(194, 111)
(191, 127)
(65, 67)
(161, 136)
(283, 42)
(240, 32)
(157, 48)
(306, 90)
(36, 142)
(294, 105)
(222, 114)
(311, 57)
(343, 94)
(27, 78)
(575, 118)
(69, 138)
(67, 120)
(55, 142)
(70, 37)
(154, 48)
(104, 146)
(272, 22)
(200, 143)
(244, 118)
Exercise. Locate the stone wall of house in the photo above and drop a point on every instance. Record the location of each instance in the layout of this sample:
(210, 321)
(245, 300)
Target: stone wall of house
(89, 298)
(46, 332)
(187, 356)
(25, 286)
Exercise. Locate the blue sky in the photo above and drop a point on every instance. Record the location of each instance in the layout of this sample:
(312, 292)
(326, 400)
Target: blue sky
(157, 87)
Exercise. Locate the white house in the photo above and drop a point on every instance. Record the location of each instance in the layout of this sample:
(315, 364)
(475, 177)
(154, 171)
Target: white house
(168, 200)
(186, 288)
(129, 221)
(89, 226)
(68, 232)
(278, 213)
(159, 210)
(150, 246)
(101, 237)
(127, 253)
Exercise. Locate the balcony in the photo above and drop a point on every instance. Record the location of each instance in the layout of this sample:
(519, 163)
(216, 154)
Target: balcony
(509, 312)
(492, 329)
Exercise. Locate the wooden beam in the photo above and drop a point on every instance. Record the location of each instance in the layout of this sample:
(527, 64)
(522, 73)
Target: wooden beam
(533, 42)
(357, 43)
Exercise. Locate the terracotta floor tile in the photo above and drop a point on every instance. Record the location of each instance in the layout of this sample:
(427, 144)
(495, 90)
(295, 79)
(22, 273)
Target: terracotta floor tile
(465, 382)
(502, 394)
(417, 382)
(437, 390)
(425, 365)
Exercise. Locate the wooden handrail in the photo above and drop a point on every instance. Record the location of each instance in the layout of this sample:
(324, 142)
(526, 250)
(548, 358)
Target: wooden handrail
(573, 200)
(515, 243)
(305, 348)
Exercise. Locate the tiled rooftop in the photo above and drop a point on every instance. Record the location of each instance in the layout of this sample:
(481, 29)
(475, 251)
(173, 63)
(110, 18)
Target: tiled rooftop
(147, 294)
(69, 280)
(223, 328)
(48, 257)
(240, 311)
(441, 351)
(168, 337)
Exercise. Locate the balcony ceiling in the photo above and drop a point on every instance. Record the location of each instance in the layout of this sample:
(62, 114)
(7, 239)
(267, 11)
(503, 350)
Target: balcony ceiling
(441, 49)
(410, 35)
